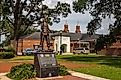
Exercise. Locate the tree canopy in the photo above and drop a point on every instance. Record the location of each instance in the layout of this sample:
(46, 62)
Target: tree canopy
(101, 9)
(19, 15)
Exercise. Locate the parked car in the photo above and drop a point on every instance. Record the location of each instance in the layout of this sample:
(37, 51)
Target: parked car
(37, 50)
(28, 51)
(86, 50)
(81, 50)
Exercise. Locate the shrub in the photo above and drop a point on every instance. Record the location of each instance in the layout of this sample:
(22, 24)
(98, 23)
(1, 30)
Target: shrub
(27, 71)
(10, 49)
(22, 72)
(6, 55)
(63, 70)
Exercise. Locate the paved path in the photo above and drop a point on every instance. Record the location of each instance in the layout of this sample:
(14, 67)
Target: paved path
(68, 77)
(3, 77)
(89, 77)
(75, 76)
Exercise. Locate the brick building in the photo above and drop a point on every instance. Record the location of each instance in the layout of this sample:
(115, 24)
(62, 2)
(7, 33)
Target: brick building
(114, 49)
(68, 39)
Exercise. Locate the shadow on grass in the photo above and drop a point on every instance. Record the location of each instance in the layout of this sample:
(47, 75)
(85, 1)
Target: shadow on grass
(103, 60)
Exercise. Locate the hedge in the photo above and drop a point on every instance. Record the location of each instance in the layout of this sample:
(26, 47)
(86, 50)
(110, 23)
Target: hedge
(6, 55)
(22, 72)
(9, 49)
(27, 71)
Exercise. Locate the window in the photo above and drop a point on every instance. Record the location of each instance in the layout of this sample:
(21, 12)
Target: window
(71, 45)
(51, 44)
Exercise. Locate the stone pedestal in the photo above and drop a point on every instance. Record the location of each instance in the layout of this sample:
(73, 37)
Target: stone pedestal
(45, 64)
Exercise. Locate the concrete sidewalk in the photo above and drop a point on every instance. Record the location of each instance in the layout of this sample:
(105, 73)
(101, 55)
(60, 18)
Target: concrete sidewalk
(90, 77)
(3, 77)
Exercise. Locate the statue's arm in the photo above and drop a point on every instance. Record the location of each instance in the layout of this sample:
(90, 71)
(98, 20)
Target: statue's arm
(49, 29)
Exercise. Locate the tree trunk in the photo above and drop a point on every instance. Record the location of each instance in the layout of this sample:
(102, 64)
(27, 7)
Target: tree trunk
(15, 45)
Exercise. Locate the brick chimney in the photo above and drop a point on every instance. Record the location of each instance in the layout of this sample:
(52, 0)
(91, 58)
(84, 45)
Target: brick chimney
(66, 27)
(77, 28)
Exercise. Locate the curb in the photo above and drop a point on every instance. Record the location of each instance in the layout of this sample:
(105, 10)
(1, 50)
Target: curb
(86, 76)
(3, 77)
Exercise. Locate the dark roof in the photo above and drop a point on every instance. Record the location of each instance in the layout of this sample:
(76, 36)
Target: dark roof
(35, 35)
(73, 36)
(87, 37)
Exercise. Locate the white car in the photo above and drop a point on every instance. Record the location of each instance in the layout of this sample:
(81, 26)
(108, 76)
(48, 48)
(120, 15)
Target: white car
(86, 50)
(81, 50)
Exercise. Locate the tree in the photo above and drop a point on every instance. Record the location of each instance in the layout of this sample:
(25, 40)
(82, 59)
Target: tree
(22, 14)
(101, 9)
(104, 41)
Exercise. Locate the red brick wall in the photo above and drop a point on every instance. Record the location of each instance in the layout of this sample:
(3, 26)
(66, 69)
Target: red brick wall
(114, 49)
(116, 45)
(23, 44)
(110, 51)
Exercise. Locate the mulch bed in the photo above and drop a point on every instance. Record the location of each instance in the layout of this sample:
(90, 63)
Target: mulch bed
(5, 66)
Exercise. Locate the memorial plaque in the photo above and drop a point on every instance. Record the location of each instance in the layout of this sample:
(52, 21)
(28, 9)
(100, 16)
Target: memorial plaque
(46, 64)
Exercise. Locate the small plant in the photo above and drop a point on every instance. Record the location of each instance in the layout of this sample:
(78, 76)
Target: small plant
(10, 49)
(6, 55)
(22, 72)
(63, 70)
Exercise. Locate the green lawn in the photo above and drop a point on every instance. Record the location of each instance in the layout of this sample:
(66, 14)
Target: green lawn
(106, 66)
(23, 58)
(19, 58)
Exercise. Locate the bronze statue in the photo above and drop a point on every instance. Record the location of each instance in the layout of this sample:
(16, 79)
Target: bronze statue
(45, 33)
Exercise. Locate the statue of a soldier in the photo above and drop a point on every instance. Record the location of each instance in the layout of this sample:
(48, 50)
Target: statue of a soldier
(45, 33)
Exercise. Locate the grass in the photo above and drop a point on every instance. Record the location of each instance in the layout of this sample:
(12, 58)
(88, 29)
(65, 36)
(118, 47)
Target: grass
(102, 71)
(19, 58)
(106, 66)
(23, 58)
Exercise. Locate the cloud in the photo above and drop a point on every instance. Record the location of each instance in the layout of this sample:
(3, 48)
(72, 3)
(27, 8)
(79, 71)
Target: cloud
(105, 25)
(73, 18)
(52, 3)
(72, 21)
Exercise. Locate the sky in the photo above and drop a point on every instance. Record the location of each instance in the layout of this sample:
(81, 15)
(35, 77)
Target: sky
(74, 18)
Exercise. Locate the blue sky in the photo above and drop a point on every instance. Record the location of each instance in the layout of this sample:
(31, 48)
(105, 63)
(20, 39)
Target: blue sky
(73, 18)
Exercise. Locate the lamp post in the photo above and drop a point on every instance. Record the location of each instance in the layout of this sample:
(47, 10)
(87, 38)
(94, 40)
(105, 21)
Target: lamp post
(78, 42)
(60, 41)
